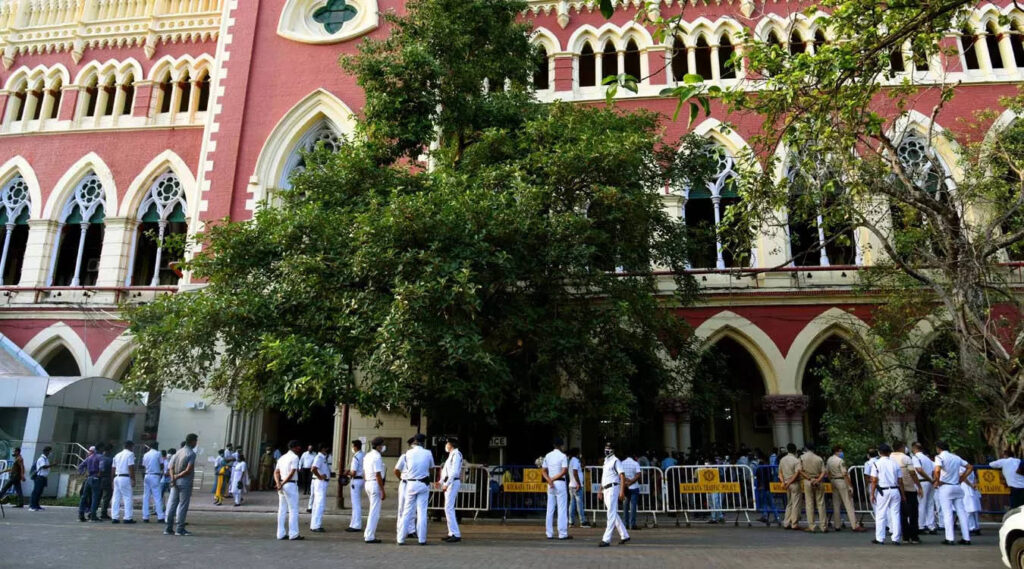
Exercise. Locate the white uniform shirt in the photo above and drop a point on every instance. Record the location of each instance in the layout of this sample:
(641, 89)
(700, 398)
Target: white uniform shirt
(922, 461)
(869, 466)
(320, 464)
(612, 470)
(452, 468)
(123, 462)
(950, 465)
(372, 464)
(554, 462)
(307, 460)
(400, 466)
(887, 472)
(288, 462)
(575, 472)
(1009, 468)
(151, 462)
(43, 466)
(631, 468)
(357, 464)
(418, 462)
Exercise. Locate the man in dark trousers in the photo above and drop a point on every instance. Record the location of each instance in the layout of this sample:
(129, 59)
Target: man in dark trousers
(106, 480)
(17, 478)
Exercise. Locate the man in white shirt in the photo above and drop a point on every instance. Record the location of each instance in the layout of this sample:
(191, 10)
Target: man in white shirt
(613, 479)
(577, 481)
(321, 478)
(925, 468)
(305, 474)
(1010, 464)
(632, 489)
(153, 467)
(948, 477)
(451, 481)
(285, 475)
(373, 470)
(40, 478)
(123, 471)
(418, 463)
(355, 489)
(410, 526)
(886, 495)
(555, 470)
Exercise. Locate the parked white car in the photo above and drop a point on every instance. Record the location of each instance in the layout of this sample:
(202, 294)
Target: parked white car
(1011, 539)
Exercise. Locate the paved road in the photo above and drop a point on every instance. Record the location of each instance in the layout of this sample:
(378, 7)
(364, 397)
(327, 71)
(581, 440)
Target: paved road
(54, 538)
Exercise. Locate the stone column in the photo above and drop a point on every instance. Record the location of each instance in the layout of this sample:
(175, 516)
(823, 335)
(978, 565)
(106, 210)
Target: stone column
(787, 418)
(669, 440)
(39, 251)
(683, 436)
(115, 255)
(675, 424)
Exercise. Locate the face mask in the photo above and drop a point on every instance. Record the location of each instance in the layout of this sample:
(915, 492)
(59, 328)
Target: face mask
(842, 454)
(383, 449)
(608, 452)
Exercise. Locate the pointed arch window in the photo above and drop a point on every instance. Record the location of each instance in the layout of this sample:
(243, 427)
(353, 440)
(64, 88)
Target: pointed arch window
(796, 43)
(679, 65)
(927, 173)
(1017, 43)
(19, 100)
(995, 57)
(14, 215)
(705, 207)
(91, 94)
(896, 63)
(128, 87)
(185, 87)
(631, 61)
(725, 52)
(161, 216)
(77, 251)
(609, 60)
(968, 49)
(811, 241)
(702, 58)
(55, 93)
(166, 90)
(203, 93)
(323, 135)
(109, 96)
(587, 66)
(35, 100)
(541, 75)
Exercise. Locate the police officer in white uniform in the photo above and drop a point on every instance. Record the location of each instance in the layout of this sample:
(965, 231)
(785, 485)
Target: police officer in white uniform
(1010, 464)
(451, 481)
(886, 495)
(555, 470)
(373, 470)
(151, 492)
(926, 504)
(410, 526)
(355, 489)
(613, 480)
(124, 481)
(418, 463)
(947, 479)
(286, 475)
(321, 474)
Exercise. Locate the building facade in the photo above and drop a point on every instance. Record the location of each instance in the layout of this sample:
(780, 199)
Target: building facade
(124, 119)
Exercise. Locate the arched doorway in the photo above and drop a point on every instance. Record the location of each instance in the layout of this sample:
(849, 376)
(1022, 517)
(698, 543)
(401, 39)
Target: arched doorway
(726, 408)
(61, 363)
(935, 382)
(835, 375)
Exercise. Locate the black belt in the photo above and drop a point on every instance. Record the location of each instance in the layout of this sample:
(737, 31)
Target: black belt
(888, 487)
(423, 480)
(154, 474)
(357, 478)
(607, 486)
(290, 482)
(120, 475)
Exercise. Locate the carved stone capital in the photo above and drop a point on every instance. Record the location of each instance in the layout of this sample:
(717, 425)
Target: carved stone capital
(786, 404)
(674, 405)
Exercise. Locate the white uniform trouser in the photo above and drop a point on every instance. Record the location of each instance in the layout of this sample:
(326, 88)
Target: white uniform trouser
(151, 493)
(410, 525)
(318, 490)
(450, 497)
(355, 495)
(288, 508)
(951, 498)
(373, 492)
(926, 507)
(557, 494)
(416, 495)
(122, 494)
(887, 513)
(611, 503)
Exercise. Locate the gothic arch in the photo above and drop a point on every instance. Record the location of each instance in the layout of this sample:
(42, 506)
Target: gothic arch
(65, 187)
(832, 322)
(114, 360)
(167, 160)
(946, 147)
(753, 339)
(19, 166)
(713, 129)
(317, 106)
(59, 334)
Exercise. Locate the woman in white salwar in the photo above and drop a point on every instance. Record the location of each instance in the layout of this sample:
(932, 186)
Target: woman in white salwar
(239, 479)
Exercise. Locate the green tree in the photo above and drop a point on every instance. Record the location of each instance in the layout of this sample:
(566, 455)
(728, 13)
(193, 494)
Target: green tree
(470, 252)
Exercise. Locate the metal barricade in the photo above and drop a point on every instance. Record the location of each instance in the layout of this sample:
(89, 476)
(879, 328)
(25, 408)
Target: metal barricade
(3, 477)
(714, 490)
(520, 489)
(861, 494)
(474, 491)
(995, 494)
(770, 495)
(651, 495)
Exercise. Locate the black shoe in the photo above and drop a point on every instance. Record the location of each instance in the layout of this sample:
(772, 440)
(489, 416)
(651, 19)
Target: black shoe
(309, 510)
(353, 530)
(94, 519)
(372, 541)
(81, 518)
(914, 541)
(933, 532)
(896, 543)
(411, 535)
(183, 533)
(422, 543)
(623, 541)
(318, 530)
(586, 525)
(296, 538)
(115, 521)
(876, 542)
(145, 521)
(159, 521)
(128, 522)
(565, 538)
(168, 532)
(604, 544)
(964, 542)
(452, 539)
(948, 542)
(975, 532)
(104, 517)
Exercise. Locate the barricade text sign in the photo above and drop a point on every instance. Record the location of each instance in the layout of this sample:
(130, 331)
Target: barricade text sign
(532, 482)
(776, 487)
(709, 482)
(990, 482)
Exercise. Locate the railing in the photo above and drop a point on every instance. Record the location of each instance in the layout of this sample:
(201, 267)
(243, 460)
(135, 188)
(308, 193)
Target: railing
(652, 494)
(714, 490)
(474, 491)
